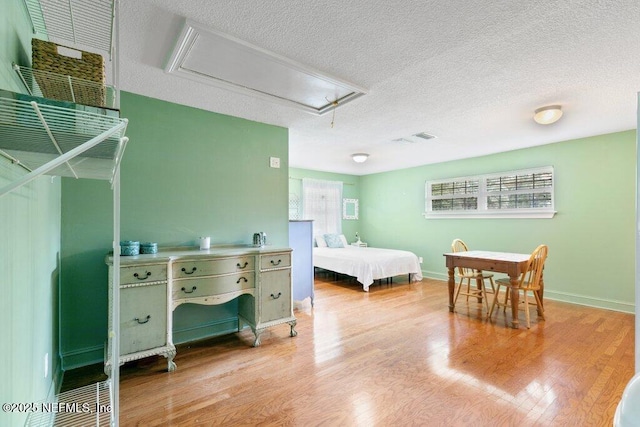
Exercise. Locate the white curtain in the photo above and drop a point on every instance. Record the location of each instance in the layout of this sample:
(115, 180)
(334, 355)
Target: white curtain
(322, 202)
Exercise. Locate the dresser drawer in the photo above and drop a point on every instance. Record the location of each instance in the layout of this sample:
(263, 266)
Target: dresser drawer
(143, 273)
(207, 286)
(275, 261)
(143, 318)
(275, 295)
(211, 267)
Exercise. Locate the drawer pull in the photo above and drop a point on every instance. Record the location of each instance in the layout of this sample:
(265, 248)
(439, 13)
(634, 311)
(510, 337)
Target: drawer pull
(193, 270)
(276, 296)
(189, 292)
(242, 266)
(137, 276)
(276, 263)
(142, 322)
(242, 278)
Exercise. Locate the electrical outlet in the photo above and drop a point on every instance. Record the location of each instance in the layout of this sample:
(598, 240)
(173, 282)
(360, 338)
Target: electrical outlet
(274, 162)
(420, 259)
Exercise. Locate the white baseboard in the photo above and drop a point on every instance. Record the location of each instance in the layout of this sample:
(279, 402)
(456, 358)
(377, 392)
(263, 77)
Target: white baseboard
(607, 304)
(435, 275)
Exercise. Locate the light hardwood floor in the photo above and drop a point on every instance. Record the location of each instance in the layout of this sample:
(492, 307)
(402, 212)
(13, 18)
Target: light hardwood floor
(393, 357)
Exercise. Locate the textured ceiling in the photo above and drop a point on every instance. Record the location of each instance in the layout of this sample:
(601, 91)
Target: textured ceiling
(470, 72)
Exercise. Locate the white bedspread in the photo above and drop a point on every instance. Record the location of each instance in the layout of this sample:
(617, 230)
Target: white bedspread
(368, 264)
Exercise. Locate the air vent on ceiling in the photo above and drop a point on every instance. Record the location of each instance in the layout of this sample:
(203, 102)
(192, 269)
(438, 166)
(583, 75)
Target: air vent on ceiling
(424, 135)
(417, 137)
(217, 59)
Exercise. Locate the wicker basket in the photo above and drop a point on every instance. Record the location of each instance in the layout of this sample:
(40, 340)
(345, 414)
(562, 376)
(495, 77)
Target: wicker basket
(88, 70)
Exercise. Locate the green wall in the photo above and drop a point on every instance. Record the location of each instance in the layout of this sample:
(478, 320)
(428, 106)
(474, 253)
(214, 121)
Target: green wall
(15, 34)
(350, 190)
(29, 247)
(30, 236)
(591, 239)
(186, 173)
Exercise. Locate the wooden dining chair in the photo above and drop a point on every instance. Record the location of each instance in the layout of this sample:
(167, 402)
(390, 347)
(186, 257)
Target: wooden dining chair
(529, 282)
(469, 274)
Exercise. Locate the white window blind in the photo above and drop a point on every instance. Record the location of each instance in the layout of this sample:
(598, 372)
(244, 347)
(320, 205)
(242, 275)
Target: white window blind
(322, 202)
(526, 193)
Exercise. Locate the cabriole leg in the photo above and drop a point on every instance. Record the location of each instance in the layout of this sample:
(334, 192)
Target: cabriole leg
(170, 355)
(293, 328)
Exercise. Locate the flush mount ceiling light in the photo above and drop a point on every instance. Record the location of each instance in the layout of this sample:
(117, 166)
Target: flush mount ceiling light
(547, 115)
(210, 57)
(359, 157)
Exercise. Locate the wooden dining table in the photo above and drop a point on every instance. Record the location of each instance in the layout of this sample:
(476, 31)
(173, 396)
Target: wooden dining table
(512, 264)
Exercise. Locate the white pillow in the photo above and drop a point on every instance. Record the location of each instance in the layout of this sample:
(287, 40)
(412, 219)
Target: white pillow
(344, 241)
(320, 242)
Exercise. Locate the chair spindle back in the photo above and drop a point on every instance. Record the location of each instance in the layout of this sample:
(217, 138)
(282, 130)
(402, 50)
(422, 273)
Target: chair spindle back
(459, 246)
(531, 277)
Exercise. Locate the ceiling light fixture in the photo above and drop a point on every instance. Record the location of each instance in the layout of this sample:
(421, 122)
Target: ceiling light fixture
(359, 157)
(547, 115)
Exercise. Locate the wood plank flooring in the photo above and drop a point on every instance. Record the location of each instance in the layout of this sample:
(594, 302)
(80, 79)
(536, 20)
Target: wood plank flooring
(393, 357)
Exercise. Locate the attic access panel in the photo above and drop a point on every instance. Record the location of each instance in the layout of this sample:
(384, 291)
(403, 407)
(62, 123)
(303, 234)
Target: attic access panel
(217, 59)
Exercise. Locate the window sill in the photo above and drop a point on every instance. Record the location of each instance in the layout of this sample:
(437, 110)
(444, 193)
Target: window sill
(491, 215)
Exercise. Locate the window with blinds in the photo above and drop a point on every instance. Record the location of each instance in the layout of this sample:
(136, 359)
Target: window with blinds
(514, 194)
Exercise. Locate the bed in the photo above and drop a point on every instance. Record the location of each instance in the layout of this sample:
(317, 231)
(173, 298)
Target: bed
(367, 264)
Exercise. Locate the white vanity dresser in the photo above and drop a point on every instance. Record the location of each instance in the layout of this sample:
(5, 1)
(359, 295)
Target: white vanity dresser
(152, 286)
